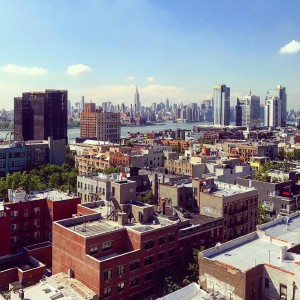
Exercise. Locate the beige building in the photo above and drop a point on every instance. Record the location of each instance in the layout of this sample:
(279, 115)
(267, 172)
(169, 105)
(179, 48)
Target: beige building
(92, 160)
(185, 167)
(104, 126)
(94, 187)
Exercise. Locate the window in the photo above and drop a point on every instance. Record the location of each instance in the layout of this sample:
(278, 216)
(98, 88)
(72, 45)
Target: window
(37, 235)
(107, 292)
(107, 246)
(134, 281)
(134, 265)
(149, 260)
(267, 282)
(161, 256)
(36, 210)
(107, 275)
(37, 223)
(171, 237)
(14, 214)
(26, 226)
(14, 239)
(149, 276)
(121, 270)
(225, 209)
(161, 240)
(93, 250)
(171, 252)
(149, 244)
(283, 291)
(26, 238)
(14, 227)
(120, 287)
(26, 213)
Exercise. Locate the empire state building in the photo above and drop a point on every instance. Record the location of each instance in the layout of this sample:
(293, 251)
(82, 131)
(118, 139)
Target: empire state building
(137, 102)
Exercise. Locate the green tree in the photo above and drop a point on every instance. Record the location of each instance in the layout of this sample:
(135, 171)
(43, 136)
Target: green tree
(3, 188)
(129, 144)
(175, 148)
(288, 155)
(147, 198)
(110, 170)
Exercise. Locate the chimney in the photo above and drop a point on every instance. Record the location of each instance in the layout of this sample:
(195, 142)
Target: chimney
(282, 253)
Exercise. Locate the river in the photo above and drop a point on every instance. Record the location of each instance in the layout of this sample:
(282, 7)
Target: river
(75, 132)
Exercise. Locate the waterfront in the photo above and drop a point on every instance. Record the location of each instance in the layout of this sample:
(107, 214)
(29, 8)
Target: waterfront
(75, 132)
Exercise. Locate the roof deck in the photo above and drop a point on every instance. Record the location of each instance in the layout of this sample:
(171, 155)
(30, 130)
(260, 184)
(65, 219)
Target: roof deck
(91, 225)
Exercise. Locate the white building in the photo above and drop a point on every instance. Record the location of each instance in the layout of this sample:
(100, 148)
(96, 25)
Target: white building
(275, 107)
(221, 105)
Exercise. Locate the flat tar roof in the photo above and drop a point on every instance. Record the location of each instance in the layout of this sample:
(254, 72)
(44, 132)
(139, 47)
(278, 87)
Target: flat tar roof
(284, 228)
(253, 252)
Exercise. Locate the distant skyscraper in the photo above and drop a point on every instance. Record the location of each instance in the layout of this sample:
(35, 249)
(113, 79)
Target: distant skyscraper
(82, 103)
(40, 115)
(167, 104)
(275, 107)
(221, 105)
(248, 111)
(137, 102)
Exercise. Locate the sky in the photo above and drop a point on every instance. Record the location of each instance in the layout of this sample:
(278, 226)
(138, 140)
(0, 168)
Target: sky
(176, 49)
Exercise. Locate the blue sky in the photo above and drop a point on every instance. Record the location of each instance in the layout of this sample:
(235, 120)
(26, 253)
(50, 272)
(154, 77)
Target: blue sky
(168, 48)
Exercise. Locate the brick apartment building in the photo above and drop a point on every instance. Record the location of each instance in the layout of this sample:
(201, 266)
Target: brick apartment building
(261, 265)
(92, 160)
(236, 204)
(182, 145)
(247, 150)
(26, 232)
(118, 248)
(104, 126)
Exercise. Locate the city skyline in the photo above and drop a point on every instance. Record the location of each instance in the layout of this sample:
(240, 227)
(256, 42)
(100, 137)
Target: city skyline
(175, 50)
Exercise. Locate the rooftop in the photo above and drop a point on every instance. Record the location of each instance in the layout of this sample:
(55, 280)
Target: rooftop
(87, 228)
(225, 189)
(268, 245)
(253, 251)
(284, 228)
(92, 225)
(58, 286)
(53, 195)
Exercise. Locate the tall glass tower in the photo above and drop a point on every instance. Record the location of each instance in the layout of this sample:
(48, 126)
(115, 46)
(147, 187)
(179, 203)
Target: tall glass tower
(275, 114)
(221, 99)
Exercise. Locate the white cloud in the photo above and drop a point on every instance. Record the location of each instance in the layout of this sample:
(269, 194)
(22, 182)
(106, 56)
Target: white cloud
(78, 69)
(22, 70)
(130, 77)
(290, 48)
(150, 78)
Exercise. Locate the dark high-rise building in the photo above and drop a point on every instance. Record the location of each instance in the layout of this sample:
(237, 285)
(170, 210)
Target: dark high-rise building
(39, 115)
